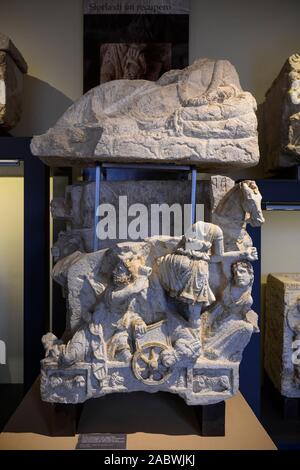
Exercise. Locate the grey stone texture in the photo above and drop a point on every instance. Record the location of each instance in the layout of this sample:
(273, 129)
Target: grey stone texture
(77, 209)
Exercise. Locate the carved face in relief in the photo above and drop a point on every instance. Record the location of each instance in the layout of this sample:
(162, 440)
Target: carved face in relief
(132, 71)
(121, 275)
(242, 274)
(251, 202)
(135, 65)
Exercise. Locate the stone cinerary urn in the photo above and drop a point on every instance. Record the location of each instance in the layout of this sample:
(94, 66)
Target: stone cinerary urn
(169, 313)
(282, 332)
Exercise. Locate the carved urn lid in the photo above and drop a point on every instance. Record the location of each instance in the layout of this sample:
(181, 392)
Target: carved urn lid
(196, 116)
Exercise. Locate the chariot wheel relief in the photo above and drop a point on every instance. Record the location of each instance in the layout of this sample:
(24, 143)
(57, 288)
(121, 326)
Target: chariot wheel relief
(147, 365)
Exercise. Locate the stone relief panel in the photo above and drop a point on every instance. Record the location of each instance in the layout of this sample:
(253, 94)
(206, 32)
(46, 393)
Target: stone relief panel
(165, 313)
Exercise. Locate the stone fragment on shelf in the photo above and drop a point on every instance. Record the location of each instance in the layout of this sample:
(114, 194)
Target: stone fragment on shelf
(199, 115)
(279, 119)
(12, 69)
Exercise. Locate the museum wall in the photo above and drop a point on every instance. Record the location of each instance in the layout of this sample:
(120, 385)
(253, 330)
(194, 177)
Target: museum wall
(49, 34)
(255, 36)
(11, 272)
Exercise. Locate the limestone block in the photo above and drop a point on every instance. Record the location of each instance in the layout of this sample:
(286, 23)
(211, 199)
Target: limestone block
(12, 69)
(198, 115)
(282, 332)
(279, 119)
(219, 186)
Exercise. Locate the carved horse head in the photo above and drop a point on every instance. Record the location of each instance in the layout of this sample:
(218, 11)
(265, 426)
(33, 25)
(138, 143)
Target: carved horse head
(242, 203)
(251, 203)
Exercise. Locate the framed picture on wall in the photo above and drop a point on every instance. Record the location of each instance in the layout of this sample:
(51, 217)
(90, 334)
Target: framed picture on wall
(134, 40)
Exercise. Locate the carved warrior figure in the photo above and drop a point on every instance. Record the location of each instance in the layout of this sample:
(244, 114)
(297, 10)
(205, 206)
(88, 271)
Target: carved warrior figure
(87, 345)
(229, 323)
(185, 274)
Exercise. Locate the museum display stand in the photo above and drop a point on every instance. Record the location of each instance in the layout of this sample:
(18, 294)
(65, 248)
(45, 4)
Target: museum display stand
(150, 422)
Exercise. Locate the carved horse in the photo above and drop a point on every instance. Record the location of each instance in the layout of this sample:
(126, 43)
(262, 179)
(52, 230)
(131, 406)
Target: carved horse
(239, 207)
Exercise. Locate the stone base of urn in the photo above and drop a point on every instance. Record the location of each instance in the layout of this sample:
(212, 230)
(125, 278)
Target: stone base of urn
(204, 383)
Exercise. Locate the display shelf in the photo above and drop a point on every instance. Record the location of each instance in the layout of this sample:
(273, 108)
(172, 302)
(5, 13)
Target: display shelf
(151, 422)
(284, 432)
(11, 396)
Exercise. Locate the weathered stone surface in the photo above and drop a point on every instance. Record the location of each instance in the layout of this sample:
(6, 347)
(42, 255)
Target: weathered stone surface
(77, 209)
(282, 332)
(78, 206)
(165, 313)
(219, 186)
(199, 115)
(279, 119)
(12, 69)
